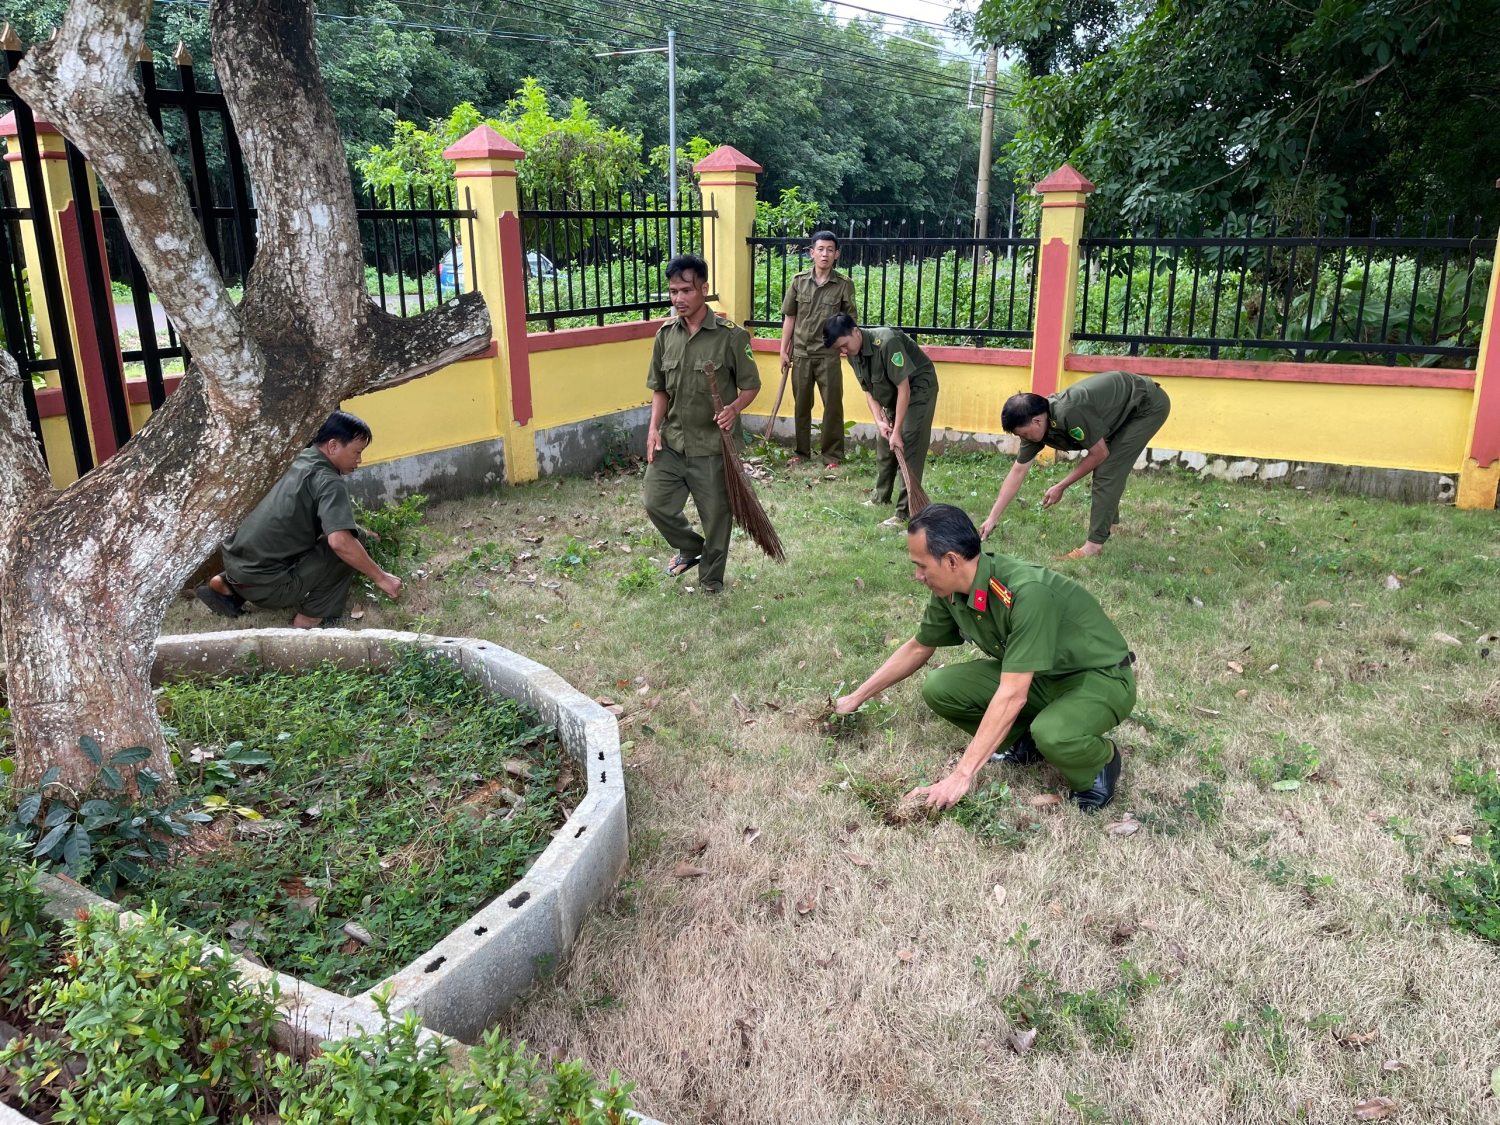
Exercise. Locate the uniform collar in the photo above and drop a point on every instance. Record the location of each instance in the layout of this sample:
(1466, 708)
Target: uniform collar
(979, 595)
(709, 321)
(866, 342)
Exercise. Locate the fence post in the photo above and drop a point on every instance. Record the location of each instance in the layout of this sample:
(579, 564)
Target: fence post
(726, 180)
(1064, 196)
(1479, 474)
(484, 165)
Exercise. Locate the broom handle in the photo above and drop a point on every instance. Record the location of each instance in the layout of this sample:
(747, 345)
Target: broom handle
(713, 389)
(780, 393)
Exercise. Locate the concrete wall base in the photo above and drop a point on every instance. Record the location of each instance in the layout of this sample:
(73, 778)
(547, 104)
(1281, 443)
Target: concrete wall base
(444, 474)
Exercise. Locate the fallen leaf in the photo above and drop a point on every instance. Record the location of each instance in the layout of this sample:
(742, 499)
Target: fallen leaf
(1243, 693)
(1125, 827)
(1286, 785)
(686, 870)
(906, 955)
(1021, 1041)
(1273, 667)
(807, 905)
(358, 613)
(466, 525)
(1392, 582)
(700, 845)
(1055, 907)
(1319, 603)
(1318, 664)
(1355, 1038)
(999, 894)
(1043, 799)
(1448, 639)
(358, 933)
(1495, 1081)
(801, 664)
(1236, 667)
(694, 708)
(739, 705)
(1374, 1109)
(860, 582)
(1206, 711)
(751, 835)
(1393, 1065)
(857, 859)
(1461, 840)
(824, 962)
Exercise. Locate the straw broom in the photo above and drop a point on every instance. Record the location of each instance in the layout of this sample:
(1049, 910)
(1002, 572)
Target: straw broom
(916, 499)
(742, 500)
(771, 425)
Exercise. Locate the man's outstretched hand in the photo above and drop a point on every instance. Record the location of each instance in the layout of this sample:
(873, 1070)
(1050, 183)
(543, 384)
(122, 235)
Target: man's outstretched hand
(846, 705)
(389, 585)
(944, 794)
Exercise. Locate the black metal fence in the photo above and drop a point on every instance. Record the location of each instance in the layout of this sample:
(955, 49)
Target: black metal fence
(600, 258)
(934, 281)
(1410, 294)
(413, 249)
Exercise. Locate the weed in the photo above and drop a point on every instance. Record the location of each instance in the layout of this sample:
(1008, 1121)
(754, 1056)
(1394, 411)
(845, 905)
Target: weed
(1278, 1043)
(1198, 807)
(487, 558)
(1064, 1019)
(401, 544)
(1088, 1111)
(617, 453)
(644, 575)
(1288, 766)
(1284, 874)
(1469, 892)
(574, 556)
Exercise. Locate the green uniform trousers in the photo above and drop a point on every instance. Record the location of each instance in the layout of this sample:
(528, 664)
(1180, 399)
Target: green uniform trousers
(316, 585)
(826, 373)
(1125, 446)
(670, 478)
(1067, 715)
(916, 432)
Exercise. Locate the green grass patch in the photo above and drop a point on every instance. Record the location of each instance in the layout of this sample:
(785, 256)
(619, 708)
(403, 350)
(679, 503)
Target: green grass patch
(372, 797)
(1469, 890)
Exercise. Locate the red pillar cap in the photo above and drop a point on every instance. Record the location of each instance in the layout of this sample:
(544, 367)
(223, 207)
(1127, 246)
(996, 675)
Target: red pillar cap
(1066, 178)
(727, 158)
(8, 125)
(484, 144)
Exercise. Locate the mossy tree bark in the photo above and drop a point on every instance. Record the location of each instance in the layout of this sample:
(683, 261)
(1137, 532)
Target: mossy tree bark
(88, 572)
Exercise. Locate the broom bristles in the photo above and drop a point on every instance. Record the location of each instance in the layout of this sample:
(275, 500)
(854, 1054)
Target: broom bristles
(744, 505)
(916, 498)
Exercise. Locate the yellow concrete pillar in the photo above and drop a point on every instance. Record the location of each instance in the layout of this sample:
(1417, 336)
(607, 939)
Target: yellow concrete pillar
(1479, 474)
(726, 179)
(484, 164)
(1064, 196)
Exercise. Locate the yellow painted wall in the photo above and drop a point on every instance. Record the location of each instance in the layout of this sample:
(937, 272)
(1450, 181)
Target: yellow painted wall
(451, 407)
(574, 384)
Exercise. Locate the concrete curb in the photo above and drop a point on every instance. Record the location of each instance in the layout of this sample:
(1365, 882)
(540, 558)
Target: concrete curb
(460, 985)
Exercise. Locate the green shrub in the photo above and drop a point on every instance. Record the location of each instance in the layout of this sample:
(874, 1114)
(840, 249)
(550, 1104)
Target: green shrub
(575, 555)
(1469, 892)
(27, 938)
(401, 545)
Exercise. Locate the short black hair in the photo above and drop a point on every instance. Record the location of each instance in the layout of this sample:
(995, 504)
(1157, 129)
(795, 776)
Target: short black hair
(684, 262)
(836, 327)
(823, 236)
(948, 529)
(1020, 409)
(341, 426)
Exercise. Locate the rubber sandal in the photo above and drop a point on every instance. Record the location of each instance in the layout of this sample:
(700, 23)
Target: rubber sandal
(222, 605)
(1075, 553)
(894, 521)
(713, 587)
(679, 560)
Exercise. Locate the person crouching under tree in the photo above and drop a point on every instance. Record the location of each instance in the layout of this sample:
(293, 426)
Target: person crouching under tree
(300, 548)
(1055, 675)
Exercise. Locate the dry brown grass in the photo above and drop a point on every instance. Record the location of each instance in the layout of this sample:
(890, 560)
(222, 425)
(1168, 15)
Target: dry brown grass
(725, 1003)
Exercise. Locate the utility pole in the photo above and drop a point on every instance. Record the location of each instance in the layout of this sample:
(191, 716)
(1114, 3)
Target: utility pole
(670, 50)
(986, 141)
(672, 135)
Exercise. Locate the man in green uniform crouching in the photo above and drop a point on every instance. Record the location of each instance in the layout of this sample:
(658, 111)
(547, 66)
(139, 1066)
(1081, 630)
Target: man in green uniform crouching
(1112, 417)
(900, 384)
(1055, 676)
(683, 450)
(300, 548)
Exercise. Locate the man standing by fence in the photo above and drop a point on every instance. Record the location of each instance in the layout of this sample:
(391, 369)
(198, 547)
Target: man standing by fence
(811, 298)
(683, 452)
(1112, 417)
(900, 384)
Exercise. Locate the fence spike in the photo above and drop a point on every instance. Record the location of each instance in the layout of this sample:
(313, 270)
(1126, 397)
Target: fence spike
(146, 55)
(182, 56)
(9, 40)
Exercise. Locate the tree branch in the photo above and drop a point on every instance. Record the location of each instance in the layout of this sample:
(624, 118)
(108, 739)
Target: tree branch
(84, 83)
(406, 348)
(24, 479)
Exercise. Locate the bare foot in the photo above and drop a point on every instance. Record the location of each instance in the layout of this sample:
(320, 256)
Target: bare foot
(302, 621)
(1087, 551)
(220, 585)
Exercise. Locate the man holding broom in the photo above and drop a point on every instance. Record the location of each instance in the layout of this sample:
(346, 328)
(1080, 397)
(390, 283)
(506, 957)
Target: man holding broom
(900, 384)
(811, 298)
(684, 451)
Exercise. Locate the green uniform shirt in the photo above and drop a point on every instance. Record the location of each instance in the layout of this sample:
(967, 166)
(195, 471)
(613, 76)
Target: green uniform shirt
(677, 361)
(812, 304)
(887, 358)
(1087, 411)
(309, 502)
(1029, 618)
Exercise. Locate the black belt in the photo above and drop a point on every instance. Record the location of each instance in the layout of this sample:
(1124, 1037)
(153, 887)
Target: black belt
(1127, 662)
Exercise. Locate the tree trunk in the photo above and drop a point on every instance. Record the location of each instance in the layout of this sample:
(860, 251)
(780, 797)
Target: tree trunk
(88, 573)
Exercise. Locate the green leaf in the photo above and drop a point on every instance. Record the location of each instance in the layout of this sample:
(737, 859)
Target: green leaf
(96, 808)
(91, 750)
(111, 778)
(57, 814)
(146, 780)
(49, 777)
(131, 755)
(1286, 786)
(77, 846)
(130, 872)
(253, 758)
(45, 845)
(28, 808)
(7, 766)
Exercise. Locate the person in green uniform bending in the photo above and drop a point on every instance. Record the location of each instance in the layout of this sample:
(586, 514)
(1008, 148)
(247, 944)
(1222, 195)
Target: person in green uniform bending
(901, 387)
(1112, 416)
(1055, 675)
(683, 451)
(300, 548)
(811, 298)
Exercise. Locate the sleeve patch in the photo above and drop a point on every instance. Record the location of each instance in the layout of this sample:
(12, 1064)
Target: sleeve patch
(1076, 433)
(898, 359)
(749, 354)
(1001, 592)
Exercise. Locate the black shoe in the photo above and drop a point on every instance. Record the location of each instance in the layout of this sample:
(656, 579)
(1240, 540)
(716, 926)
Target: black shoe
(1022, 752)
(1102, 792)
(225, 605)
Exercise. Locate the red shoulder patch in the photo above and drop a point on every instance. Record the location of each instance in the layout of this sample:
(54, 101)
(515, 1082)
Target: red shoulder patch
(1001, 592)
(981, 601)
